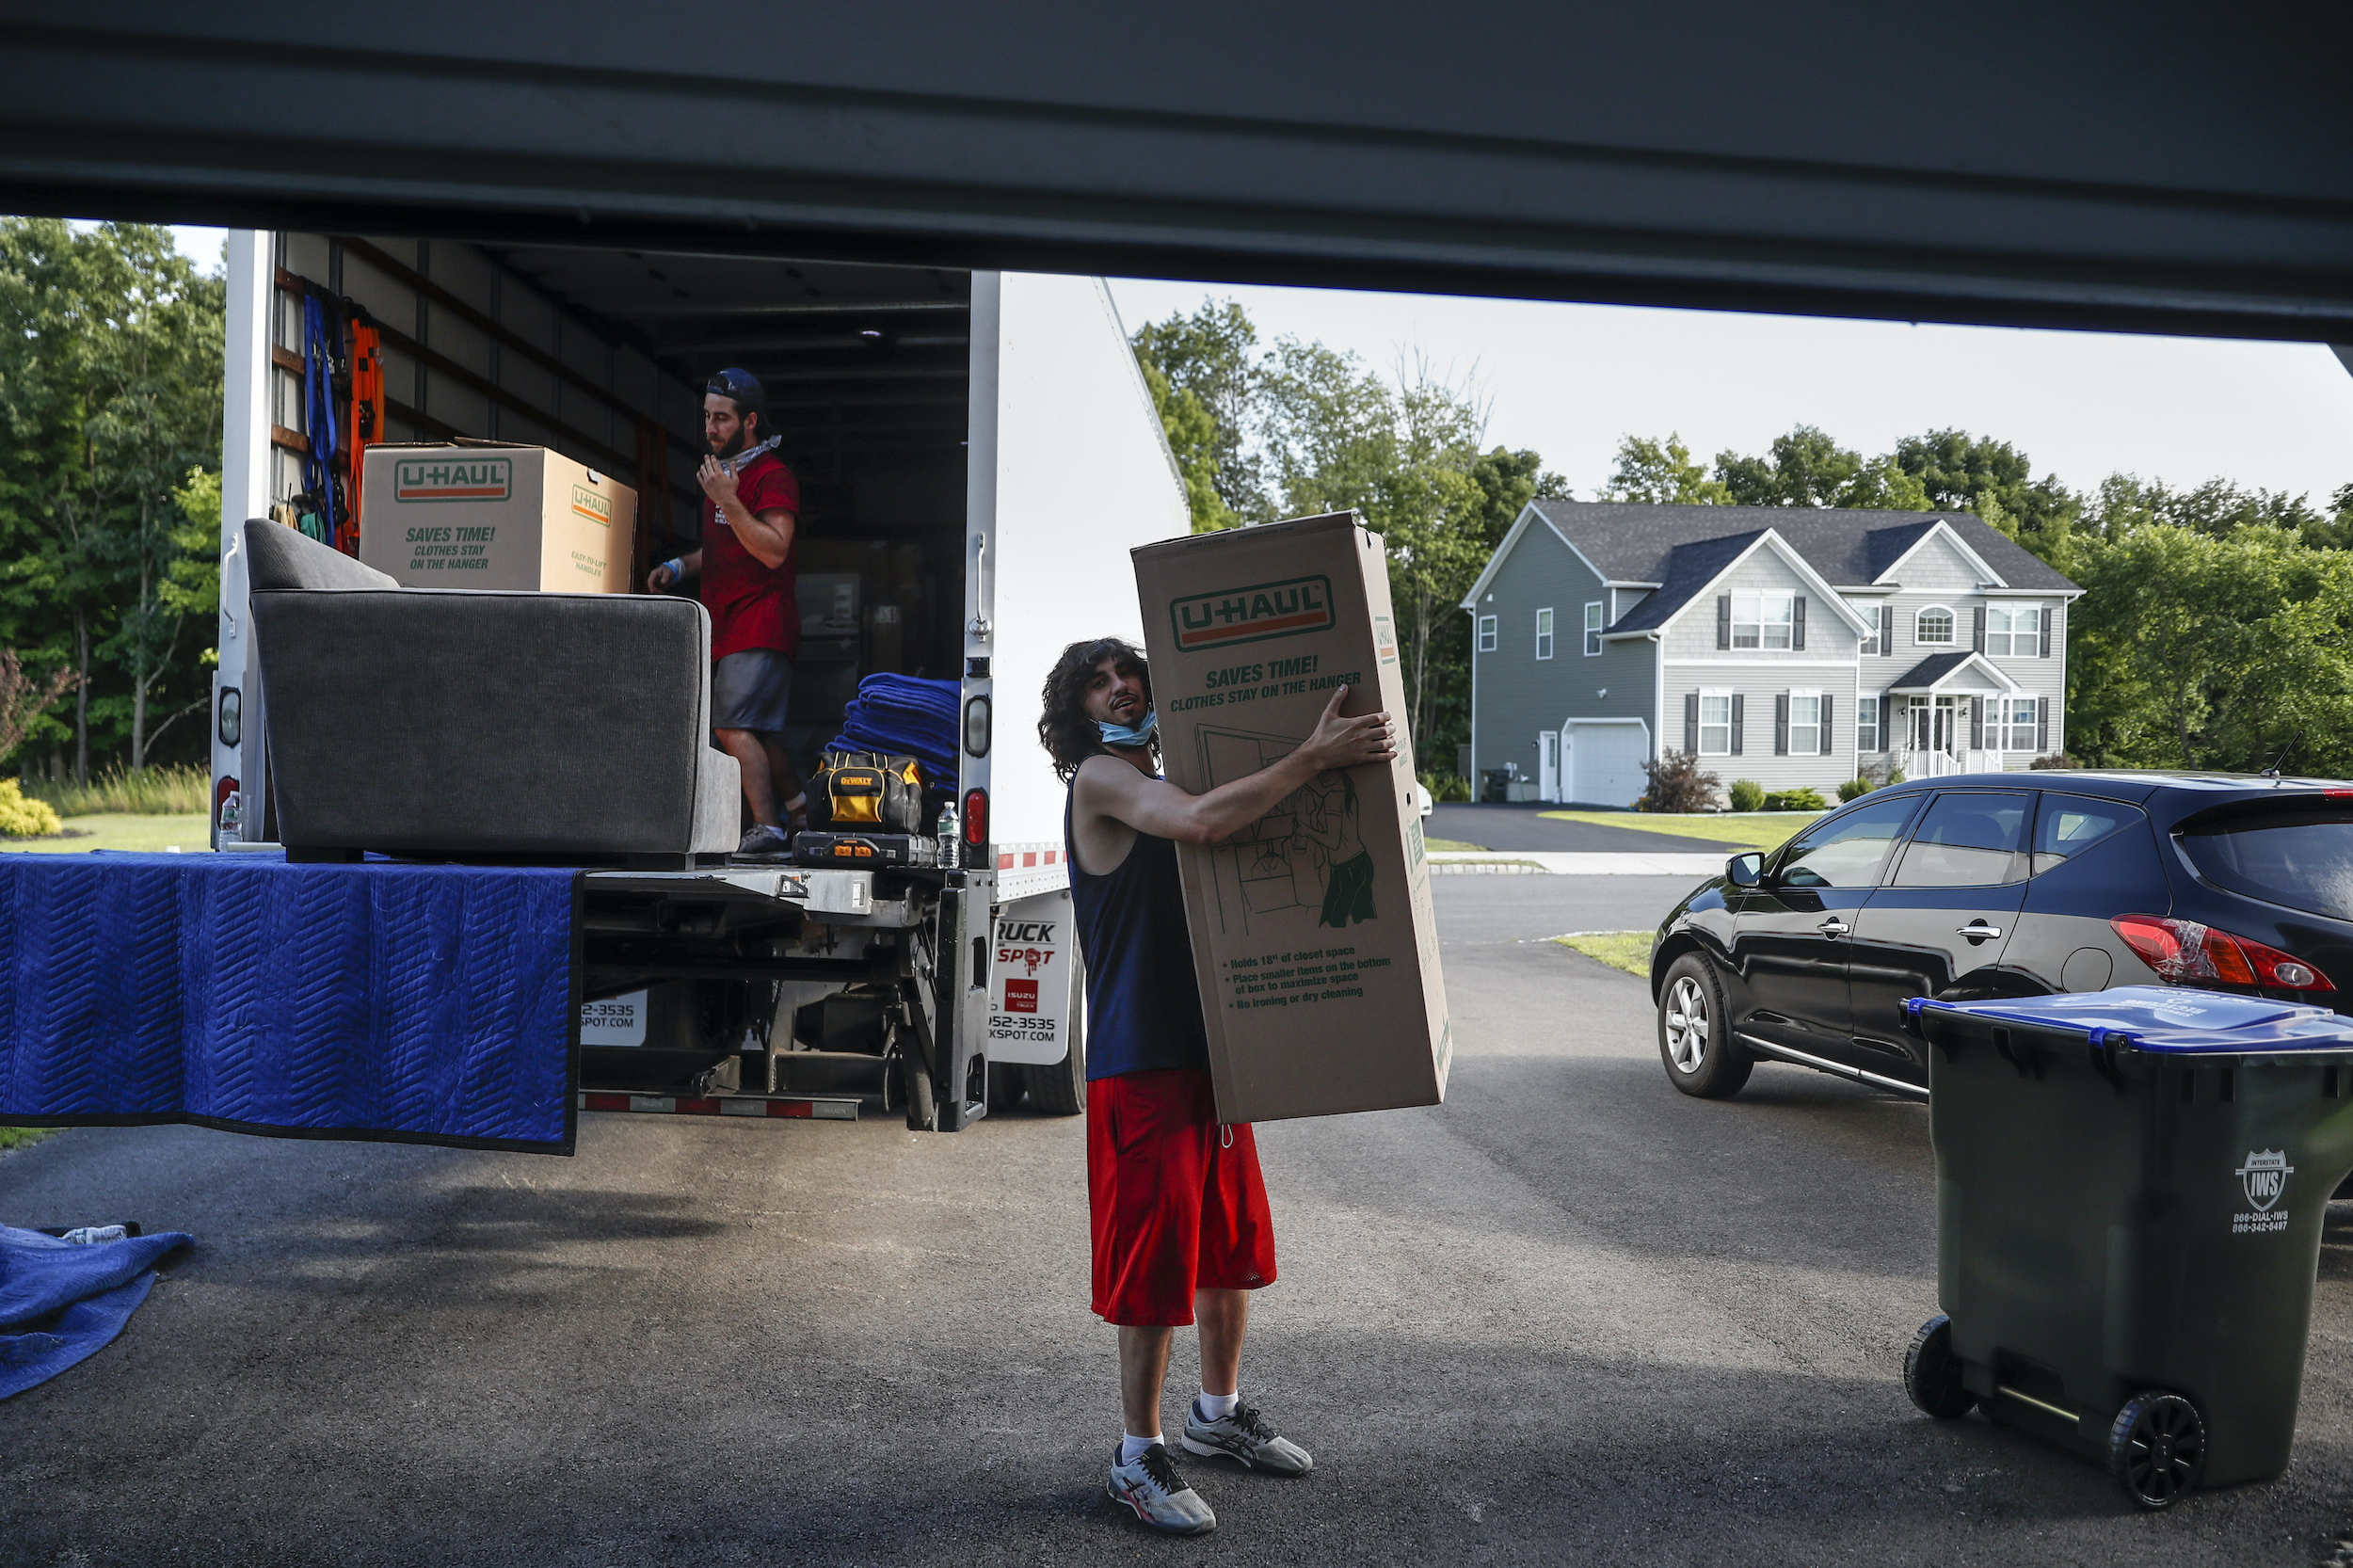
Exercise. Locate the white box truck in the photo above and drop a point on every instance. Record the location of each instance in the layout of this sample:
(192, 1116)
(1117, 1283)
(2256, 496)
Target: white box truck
(977, 453)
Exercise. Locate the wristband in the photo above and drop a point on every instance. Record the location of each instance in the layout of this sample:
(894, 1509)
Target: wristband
(678, 567)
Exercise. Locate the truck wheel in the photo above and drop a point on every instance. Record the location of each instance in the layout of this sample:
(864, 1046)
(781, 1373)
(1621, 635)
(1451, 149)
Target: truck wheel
(1005, 1083)
(2157, 1448)
(915, 1086)
(1060, 1088)
(1932, 1372)
(1695, 1031)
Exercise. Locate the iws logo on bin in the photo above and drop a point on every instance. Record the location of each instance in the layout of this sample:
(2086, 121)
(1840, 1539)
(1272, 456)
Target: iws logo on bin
(2265, 1179)
(1254, 613)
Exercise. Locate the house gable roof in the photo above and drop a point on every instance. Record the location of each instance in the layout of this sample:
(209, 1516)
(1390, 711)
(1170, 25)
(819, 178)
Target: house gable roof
(1938, 668)
(1529, 517)
(1635, 544)
(1692, 568)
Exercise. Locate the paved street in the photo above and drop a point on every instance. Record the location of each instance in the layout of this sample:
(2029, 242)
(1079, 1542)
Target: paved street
(1571, 1316)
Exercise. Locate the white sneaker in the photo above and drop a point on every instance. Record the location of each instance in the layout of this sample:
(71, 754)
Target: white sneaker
(1247, 1436)
(1159, 1494)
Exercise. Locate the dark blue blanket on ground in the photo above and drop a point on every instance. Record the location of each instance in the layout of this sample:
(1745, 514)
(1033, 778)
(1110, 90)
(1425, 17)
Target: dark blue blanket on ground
(60, 1302)
(382, 1001)
(908, 716)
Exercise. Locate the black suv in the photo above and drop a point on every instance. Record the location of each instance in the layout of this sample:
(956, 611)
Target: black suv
(2002, 885)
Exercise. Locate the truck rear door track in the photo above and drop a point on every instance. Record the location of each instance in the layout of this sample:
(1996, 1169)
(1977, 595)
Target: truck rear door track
(797, 1107)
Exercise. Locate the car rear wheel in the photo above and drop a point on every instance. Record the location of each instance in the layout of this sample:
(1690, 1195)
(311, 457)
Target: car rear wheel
(1695, 1031)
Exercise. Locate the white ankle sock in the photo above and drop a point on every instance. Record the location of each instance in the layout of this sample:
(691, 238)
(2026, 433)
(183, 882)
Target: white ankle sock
(1216, 1407)
(1131, 1449)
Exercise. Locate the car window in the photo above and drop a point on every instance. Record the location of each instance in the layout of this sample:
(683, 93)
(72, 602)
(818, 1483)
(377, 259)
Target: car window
(2068, 824)
(2300, 857)
(1846, 850)
(1970, 839)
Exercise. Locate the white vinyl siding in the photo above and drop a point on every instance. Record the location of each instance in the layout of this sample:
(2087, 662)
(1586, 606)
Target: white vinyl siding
(1544, 633)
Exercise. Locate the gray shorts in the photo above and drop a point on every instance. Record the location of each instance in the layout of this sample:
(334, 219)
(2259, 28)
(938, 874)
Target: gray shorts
(751, 690)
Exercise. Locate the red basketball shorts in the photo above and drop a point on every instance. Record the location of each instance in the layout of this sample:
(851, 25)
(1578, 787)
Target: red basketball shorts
(1176, 1200)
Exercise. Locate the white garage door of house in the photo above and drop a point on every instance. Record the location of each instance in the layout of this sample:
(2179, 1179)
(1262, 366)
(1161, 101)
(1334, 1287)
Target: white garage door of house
(1604, 762)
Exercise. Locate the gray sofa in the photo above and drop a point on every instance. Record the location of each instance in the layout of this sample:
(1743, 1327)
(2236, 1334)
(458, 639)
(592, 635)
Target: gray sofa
(466, 724)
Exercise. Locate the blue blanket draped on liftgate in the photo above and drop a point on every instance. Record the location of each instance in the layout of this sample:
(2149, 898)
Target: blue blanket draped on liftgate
(414, 1003)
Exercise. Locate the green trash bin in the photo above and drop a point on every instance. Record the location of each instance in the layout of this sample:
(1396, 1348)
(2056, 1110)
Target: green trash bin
(2130, 1190)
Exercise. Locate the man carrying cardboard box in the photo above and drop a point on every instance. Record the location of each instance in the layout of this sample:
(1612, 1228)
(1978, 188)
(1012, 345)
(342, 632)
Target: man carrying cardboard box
(746, 567)
(1181, 1227)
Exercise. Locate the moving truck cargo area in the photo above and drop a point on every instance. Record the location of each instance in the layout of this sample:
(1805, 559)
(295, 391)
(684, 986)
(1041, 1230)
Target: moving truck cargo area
(976, 455)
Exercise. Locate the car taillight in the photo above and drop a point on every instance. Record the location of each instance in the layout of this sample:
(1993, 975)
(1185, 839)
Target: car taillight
(976, 816)
(2184, 951)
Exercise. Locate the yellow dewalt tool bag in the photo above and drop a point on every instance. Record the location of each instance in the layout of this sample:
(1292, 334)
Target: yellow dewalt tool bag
(867, 789)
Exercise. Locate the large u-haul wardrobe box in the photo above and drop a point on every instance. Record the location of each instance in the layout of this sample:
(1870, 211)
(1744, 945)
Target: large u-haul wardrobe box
(485, 515)
(1312, 928)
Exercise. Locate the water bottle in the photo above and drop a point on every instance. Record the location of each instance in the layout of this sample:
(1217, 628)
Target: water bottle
(951, 835)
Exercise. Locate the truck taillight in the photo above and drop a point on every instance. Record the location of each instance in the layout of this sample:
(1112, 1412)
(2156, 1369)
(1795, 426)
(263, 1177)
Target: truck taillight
(976, 816)
(2184, 951)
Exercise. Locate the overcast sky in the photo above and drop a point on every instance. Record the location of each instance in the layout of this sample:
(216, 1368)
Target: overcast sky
(1570, 380)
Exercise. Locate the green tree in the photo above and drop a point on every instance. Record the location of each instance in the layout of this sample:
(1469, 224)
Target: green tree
(1191, 433)
(1210, 360)
(1662, 472)
(1961, 473)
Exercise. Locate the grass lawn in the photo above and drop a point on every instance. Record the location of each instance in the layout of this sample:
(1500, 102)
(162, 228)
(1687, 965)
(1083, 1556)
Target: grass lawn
(191, 831)
(1453, 846)
(1621, 950)
(17, 1137)
(1745, 829)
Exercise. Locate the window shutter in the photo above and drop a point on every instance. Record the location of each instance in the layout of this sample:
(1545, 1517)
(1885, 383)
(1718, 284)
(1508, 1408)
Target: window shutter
(1977, 720)
(1691, 723)
(1797, 624)
(1781, 725)
(2042, 724)
(2049, 610)
(1739, 721)
(1977, 636)
(1879, 630)
(1826, 746)
(1723, 620)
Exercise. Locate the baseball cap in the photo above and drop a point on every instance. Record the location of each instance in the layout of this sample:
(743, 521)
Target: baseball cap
(742, 386)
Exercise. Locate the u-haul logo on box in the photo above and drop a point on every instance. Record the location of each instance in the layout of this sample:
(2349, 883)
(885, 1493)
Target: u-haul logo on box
(454, 479)
(596, 508)
(1253, 614)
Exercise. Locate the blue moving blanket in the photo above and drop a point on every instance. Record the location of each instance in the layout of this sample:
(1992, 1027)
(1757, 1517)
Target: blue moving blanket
(414, 1003)
(908, 716)
(61, 1304)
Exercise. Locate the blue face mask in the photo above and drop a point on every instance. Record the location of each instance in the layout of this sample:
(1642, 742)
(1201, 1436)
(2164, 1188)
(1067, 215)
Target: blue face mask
(1128, 735)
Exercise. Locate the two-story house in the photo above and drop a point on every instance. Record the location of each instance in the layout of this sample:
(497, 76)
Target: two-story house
(1785, 645)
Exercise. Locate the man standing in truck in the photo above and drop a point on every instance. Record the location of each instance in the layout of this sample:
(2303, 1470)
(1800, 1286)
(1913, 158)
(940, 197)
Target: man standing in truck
(1178, 1210)
(750, 518)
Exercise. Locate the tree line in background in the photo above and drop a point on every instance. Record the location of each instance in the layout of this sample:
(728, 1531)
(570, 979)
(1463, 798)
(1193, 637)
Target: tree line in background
(2216, 630)
(110, 429)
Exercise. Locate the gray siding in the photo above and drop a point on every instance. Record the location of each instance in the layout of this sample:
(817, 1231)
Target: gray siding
(1937, 575)
(1518, 696)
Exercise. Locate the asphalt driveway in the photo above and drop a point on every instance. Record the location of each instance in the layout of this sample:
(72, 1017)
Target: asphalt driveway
(1525, 827)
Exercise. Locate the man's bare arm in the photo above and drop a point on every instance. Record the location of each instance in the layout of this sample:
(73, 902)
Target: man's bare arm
(767, 534)
(1110, 787)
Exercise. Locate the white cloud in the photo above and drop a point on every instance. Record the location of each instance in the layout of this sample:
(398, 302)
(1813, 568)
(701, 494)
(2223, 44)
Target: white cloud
(1569, 380)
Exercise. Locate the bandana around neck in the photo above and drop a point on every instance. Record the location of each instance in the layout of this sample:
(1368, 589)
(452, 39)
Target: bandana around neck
(1130, 735)
(736, 464)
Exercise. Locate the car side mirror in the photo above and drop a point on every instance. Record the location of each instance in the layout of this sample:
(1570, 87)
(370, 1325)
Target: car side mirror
(1745, 871)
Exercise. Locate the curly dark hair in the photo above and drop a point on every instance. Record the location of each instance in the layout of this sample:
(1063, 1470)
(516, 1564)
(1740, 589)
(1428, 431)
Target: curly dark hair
(1063, 726)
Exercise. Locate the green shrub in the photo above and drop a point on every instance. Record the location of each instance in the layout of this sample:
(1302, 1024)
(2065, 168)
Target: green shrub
(1807, 799)
(1746, 795)
(1445, 786)
(1854, 789)
(25, 819)
(150, 791)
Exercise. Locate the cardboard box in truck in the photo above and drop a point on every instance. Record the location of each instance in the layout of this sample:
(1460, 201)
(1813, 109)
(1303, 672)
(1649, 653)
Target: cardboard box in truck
(1312, 929)
(487, 515)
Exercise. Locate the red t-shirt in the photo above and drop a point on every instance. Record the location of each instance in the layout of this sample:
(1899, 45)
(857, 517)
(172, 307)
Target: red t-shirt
(752, 605)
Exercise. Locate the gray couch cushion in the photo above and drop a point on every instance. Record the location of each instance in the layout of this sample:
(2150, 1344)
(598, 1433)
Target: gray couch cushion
(455, 721)
(277, 557)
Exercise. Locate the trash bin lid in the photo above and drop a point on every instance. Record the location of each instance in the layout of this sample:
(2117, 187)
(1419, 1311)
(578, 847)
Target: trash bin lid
(2168, 1020)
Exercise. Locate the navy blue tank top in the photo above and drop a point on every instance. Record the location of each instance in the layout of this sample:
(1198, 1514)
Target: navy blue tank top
(1143, 998)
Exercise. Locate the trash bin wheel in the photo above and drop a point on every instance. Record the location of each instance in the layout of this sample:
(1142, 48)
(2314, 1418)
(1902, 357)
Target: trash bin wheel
(1932, 1372)
(1695, 1031)
(2157, 1447)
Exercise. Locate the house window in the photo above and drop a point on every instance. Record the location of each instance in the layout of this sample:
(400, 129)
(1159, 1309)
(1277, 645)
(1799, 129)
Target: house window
(2013, 632)
(1806, 724)
(1593, 628)
(1486, 634)
(2019, 733)
(1870, 614)
(1544, 633)
(1866, 724)
(1716, 724)
(1934, 629)
(1762, 620)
